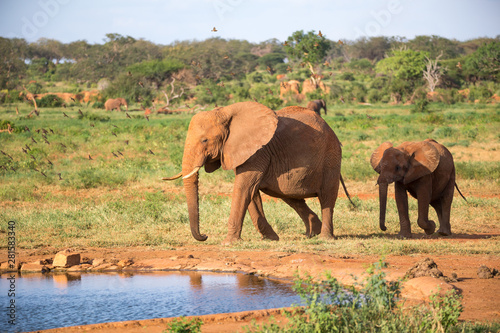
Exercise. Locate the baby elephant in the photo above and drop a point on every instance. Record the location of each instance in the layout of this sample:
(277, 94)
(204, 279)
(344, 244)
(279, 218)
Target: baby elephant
(316, 106)
(426, 170)
(112, 104)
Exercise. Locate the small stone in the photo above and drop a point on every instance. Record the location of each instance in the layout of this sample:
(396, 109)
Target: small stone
(66, 258)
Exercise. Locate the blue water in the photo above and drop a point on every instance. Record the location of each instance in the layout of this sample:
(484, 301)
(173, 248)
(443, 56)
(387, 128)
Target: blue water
(51, 301)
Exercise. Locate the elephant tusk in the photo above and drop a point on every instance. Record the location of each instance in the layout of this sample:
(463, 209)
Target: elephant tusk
(179, 175)
(195, 170)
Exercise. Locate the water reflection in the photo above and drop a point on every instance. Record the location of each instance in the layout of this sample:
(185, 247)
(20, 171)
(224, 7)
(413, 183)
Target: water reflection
(55, 300)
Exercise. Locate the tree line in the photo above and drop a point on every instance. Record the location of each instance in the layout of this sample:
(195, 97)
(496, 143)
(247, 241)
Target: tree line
(215, 70)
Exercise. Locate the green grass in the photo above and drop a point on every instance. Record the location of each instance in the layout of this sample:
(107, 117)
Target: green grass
(120, 200)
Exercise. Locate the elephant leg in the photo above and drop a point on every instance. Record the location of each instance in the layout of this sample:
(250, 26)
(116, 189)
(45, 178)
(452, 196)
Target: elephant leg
(118, 108)
(402, 204)
(424, 194)
(311, 220)
(259, 220)
(245, 187)
(443, 209)
(327, 201)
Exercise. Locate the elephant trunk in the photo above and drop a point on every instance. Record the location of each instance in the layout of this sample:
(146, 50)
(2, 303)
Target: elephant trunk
(382, 192)
(191, 189)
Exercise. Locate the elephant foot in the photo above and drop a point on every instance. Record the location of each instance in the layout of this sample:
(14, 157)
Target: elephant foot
(324, 235)
(315, 229)
(405, 235)
(444, 232)
(431, 229)
(230, 240)
(273, 237)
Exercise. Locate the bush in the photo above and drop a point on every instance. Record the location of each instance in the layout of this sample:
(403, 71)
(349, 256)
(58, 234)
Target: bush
(367, 307)
(34, 88)
(50, 101)
(374, 96)
(347, 76)
(358, 91)
(11, 96)
(98, 105)
(184, 325)
(361, 65)
(421, 106)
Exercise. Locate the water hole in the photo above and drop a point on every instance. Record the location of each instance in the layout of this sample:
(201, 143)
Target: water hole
(46, 301)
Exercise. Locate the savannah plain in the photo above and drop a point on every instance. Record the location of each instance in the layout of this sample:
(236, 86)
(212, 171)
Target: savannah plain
(117, 207)
(75, 176)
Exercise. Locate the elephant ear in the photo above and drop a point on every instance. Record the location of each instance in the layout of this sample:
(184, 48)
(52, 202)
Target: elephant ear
(377, 155)
(424, 159)
(251, 125)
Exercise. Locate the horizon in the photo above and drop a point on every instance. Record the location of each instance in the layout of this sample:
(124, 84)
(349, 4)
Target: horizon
(257, 21)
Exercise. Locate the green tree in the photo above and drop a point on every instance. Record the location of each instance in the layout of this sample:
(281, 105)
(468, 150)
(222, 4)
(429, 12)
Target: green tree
(485, 62)
(405, 68)
(373, 48)
(310, 48)
(435, 45)
(12, 65)
(156, 70)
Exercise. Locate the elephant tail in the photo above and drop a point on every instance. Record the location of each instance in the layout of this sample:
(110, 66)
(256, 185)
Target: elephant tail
(347, 193)
(460, 192)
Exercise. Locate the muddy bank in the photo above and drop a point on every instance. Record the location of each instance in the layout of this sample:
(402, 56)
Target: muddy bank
(480, 296)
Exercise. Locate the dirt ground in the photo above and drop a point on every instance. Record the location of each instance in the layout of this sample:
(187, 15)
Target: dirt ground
(480, 296)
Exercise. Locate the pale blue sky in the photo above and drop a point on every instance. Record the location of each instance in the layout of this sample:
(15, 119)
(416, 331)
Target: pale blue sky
(164, 22)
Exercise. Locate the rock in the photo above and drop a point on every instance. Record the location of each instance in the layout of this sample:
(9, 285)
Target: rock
(486, 273)
(97, 262)
(426, 267)
(34, 267)
(66, 258)
(124, 263)
(423, 287)
(9, 267)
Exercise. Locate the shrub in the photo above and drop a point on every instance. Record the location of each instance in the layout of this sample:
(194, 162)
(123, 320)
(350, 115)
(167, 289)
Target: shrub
(316, 94)
(35, 88)
(347, 76)
(421, 106)
(98, 105)
(367, 307)
(50, 101)
(10, 96)
(184, 325)
(361, 64)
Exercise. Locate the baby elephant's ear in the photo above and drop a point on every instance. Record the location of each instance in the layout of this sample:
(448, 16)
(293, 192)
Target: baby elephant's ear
(377, 155)
(423, 161)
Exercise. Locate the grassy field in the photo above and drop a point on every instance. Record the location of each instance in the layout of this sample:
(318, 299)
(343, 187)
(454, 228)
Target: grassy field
(92, 178)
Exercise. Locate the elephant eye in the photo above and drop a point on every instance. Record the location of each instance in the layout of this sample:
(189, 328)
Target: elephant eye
(398, 167)
(204, 140)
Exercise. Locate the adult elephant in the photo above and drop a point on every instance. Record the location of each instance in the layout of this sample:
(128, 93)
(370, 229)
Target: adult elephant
(291, 154)
(112, 104)
(425, 170)
(317, 105)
